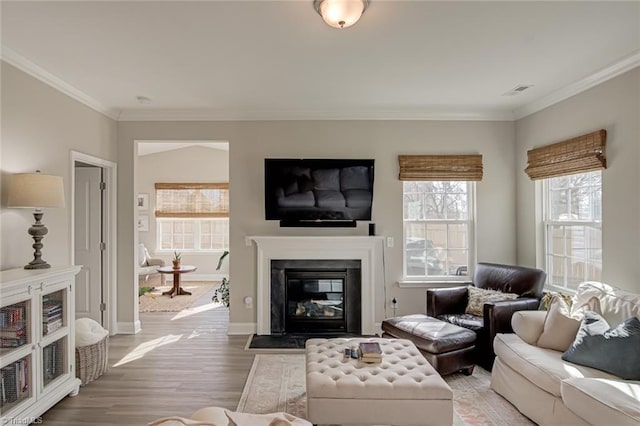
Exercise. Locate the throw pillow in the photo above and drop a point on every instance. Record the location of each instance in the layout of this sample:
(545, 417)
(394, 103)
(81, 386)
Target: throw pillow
(614, 350)
(178, 421)
(548, 297)
(559, 328)
(479, 296)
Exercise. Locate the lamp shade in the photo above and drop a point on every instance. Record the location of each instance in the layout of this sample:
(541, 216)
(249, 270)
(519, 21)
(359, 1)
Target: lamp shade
(341, 13)
(35, 190)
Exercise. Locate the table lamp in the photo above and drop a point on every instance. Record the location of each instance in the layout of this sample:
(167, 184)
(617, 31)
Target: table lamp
(35, 190)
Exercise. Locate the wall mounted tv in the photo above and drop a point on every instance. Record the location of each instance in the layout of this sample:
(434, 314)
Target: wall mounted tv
(318, 192)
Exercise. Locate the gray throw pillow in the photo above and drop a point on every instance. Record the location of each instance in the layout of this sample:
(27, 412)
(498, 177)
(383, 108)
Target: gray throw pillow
(614, 350)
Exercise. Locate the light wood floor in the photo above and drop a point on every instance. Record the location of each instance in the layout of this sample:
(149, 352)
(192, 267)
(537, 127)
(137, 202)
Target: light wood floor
(176, 366)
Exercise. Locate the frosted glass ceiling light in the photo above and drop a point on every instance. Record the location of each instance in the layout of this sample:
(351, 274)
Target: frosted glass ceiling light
(340, 13)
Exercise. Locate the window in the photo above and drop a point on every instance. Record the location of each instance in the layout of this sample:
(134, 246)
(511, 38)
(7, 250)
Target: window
(438, 228)
(572, 222)
(571, 201)
(192, 216)
(193, 234)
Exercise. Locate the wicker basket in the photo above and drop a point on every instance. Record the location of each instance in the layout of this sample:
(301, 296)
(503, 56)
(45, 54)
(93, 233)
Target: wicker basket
(92, 361)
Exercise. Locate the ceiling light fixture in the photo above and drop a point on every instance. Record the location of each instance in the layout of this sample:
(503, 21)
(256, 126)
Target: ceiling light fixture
(340, 13)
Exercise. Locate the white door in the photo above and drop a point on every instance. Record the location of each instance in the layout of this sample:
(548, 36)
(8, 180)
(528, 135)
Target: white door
(88, 239)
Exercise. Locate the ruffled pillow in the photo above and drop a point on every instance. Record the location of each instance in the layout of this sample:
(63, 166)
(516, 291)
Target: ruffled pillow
(479, 296)
(548, 297)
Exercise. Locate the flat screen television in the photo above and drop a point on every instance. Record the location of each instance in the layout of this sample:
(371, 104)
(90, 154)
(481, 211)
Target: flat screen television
(318, 192)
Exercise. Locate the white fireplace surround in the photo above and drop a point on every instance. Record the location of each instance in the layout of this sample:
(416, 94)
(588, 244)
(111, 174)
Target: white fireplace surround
(366, 249)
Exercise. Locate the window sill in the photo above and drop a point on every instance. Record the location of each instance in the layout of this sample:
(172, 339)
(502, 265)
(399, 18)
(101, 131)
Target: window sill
(190, 252)
(558, 289)
(432, 284)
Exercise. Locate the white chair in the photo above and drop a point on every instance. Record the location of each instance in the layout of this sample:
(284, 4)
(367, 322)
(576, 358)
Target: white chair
(148, 276)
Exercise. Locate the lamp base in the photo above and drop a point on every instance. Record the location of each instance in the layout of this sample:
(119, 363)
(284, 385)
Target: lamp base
(35, 265)
(37, 231)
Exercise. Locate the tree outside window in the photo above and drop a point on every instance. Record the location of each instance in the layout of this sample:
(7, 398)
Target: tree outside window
(573, 228)
(438, 228)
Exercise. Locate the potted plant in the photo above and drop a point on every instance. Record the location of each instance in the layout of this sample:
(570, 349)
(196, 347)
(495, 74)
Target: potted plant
(221, 295)
(176, 259)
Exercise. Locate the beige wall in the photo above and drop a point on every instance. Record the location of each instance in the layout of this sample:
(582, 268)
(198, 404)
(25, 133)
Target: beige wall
(40, 127)
(251, 142)
(613, 106)
(192, 164)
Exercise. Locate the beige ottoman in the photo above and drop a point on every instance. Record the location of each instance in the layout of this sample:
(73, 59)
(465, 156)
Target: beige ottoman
(403, 389)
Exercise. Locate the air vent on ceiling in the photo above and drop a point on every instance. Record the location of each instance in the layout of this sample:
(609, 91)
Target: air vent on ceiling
(518, 89)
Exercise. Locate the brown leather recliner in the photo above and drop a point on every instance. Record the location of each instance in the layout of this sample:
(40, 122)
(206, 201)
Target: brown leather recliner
(448, 304)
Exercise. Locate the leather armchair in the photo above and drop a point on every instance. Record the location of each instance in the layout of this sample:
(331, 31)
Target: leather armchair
(448, 304)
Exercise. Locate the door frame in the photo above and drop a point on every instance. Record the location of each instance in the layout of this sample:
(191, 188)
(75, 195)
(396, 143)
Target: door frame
(109, 278)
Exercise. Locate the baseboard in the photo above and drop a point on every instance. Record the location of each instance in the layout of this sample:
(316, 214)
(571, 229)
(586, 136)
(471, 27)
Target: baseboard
(242, 328)
(198, 277)
(128, 327)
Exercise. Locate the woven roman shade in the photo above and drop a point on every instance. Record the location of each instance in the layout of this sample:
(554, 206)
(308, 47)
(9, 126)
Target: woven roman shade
(192, 200)
(440, 167)
(578, 155)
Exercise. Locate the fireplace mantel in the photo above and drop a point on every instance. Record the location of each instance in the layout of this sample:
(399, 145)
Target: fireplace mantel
(364, 248)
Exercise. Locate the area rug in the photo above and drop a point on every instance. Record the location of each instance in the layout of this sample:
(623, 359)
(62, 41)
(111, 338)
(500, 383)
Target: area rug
(156, 302)
(277, 383)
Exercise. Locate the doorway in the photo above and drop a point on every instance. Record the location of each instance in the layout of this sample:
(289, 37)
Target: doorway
(93, 239)
(178, 184)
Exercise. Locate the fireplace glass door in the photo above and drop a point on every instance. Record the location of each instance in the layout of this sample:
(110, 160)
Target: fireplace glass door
(315, 301)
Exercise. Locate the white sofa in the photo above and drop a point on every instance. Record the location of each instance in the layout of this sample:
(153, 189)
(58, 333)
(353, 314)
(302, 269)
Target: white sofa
(551, 391)
(148, 275)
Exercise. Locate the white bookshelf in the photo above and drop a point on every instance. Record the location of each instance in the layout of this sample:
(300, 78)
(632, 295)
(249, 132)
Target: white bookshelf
(37, 350)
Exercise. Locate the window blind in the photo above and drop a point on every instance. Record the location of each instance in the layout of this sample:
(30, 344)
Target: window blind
(578, 155)
(192, 200)
(440, 167)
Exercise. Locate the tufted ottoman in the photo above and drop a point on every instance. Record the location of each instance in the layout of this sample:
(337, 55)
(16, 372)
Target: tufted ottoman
(403, 389)
(446, 346)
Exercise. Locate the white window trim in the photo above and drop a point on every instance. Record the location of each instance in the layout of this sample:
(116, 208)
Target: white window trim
(406, 283)
(445, 280)
(197, 238)
(542, 201)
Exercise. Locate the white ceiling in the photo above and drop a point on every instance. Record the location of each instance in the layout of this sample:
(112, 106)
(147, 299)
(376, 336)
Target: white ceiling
(278, 60)
(153, 147)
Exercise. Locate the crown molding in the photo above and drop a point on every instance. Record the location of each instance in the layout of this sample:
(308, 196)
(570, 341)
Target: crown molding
(25, 65)
(220, 115)
(626, 64)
